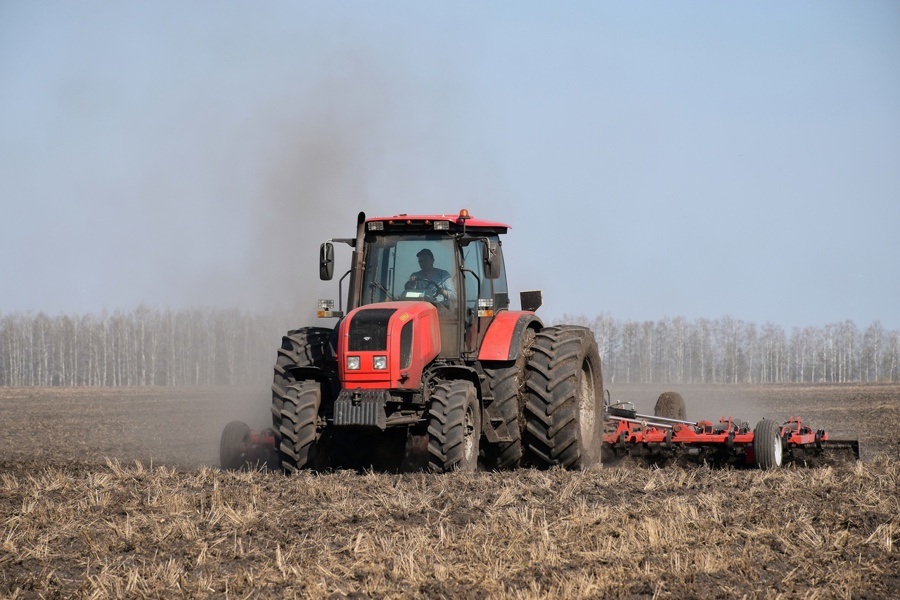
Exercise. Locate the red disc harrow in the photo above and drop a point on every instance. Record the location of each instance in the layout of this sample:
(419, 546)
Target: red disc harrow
(659, 440)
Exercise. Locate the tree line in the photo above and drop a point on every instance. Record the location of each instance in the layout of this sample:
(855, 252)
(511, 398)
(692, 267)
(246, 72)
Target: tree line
(139, 348)
(729, 350)
(147, 346)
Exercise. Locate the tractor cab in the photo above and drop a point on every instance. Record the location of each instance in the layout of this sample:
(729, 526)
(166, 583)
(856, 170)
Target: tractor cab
(453, 262)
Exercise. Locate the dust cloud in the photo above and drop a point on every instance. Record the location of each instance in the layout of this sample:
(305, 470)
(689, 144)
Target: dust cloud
(318, 159)
(317, 155)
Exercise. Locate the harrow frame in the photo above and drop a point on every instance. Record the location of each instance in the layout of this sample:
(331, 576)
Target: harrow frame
(659, 440)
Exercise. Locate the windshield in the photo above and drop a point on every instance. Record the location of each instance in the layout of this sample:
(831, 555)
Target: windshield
(427, 267)
(411, 268)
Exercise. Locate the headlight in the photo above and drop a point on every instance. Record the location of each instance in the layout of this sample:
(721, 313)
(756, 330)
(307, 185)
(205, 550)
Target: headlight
(379, 363)
(353, 363)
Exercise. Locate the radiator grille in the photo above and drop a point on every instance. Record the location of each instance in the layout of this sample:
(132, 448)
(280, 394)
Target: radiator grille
(368, 330)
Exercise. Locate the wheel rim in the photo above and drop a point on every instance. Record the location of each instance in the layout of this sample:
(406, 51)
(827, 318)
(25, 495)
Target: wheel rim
(586, 404)
(469, 449)
(777, 449)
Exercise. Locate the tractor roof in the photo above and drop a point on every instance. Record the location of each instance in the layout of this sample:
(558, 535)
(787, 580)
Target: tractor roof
(455, 222)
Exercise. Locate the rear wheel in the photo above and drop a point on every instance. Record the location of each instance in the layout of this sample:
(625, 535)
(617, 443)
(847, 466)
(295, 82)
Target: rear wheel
(233, 446)
(454, 427)
(768, 446)
(563, 409)
(299, 431)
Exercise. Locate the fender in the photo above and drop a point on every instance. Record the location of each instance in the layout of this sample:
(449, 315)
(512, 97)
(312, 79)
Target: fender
(503, 339)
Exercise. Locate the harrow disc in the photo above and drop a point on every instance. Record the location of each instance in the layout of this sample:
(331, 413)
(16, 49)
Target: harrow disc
(826, 453)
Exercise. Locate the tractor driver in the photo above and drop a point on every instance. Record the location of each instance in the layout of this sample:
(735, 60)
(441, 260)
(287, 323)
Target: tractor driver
(435, 283)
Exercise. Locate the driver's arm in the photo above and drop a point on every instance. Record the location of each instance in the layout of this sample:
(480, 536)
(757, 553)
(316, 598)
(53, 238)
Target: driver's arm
(448, 290)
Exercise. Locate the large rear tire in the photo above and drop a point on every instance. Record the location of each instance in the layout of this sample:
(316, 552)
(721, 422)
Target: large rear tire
(563, 406)
(454, 427)
(768, 447)
(299, 431)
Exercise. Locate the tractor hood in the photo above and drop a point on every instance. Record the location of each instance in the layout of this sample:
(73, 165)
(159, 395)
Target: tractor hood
(387, 345)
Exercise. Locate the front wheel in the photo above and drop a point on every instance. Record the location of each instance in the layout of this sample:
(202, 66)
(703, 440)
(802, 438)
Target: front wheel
(454, 427)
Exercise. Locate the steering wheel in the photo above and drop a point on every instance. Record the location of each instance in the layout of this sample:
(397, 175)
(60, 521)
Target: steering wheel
(431, 291)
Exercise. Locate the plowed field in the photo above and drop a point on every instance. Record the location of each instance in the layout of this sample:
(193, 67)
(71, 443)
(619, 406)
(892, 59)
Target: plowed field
(115, 493)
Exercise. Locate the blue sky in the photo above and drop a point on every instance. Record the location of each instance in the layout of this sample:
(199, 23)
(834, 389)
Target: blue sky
(654, 159)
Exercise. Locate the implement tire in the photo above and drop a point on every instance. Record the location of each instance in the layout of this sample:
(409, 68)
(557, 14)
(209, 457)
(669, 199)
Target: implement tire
(768, 447)
(670, 405)
(299, 432)
(233, 445)
(564, 399)
(454, 427)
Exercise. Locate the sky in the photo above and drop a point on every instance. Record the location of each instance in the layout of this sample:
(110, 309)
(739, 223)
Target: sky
(653, 159)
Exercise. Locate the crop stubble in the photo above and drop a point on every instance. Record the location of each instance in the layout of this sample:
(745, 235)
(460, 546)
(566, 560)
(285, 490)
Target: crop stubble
(107, 492)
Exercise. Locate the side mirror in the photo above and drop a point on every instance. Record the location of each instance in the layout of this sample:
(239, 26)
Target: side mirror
(326, 261)
(492, 261)
(531, 300)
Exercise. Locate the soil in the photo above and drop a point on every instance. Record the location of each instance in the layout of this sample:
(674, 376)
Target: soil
(116, 492)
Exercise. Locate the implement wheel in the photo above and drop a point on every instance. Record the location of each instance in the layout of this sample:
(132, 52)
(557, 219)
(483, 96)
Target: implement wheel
(454, 427)
(563, 404)
(768, 447)
(233, 445)
(670, 405)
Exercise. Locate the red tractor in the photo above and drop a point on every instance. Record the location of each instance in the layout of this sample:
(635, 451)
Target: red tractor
(428, 367)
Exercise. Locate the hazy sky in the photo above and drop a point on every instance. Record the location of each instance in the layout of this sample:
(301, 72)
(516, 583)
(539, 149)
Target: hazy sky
(654, 159)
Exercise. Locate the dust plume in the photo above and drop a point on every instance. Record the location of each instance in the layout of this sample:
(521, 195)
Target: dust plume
(314, 156)
(317, 162)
